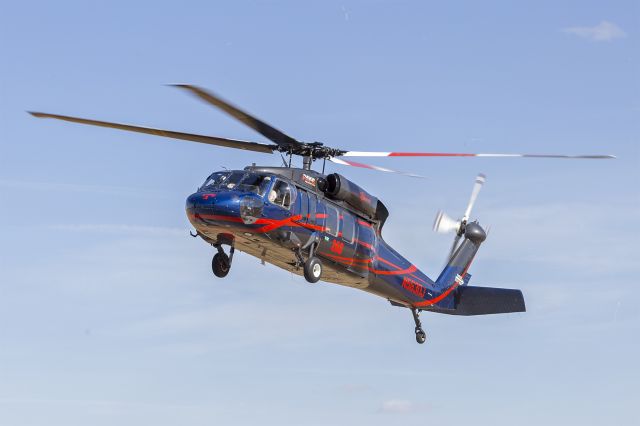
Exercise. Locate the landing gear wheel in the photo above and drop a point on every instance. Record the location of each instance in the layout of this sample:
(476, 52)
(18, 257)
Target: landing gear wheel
(221, 265)
(421, 336)
(312, 269)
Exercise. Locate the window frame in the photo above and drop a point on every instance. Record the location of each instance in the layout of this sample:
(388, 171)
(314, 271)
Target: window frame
(344, 215)
(292, 193)
(303, 196)
(337, 221)
(313, 207)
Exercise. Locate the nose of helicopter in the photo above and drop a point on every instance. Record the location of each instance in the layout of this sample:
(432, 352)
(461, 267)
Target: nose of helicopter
(195, 201)
(211, 206)
(202, 202)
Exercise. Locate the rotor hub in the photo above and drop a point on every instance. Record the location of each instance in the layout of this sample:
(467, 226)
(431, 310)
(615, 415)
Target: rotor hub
(474, 232)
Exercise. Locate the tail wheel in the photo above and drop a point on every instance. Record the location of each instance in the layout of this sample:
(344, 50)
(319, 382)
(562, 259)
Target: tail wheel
(312, 269)
(220, 265)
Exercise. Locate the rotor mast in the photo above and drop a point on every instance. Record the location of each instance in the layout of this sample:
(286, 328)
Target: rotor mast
(307, 160)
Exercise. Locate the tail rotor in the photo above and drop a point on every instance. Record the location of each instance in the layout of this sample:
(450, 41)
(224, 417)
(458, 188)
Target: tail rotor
(445, 224)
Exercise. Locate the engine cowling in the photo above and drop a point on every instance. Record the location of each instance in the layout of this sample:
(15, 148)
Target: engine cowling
(340, 188)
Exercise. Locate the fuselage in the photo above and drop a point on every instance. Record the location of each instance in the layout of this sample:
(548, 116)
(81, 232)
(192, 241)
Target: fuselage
(273, 213)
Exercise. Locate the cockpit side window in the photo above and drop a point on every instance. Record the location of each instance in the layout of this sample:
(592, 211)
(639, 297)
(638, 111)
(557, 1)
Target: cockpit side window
(232, 180)
(254, 182)
(282, 194)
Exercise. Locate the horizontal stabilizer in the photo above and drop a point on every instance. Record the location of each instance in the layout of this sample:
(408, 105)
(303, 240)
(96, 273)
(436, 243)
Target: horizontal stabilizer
(472, 300)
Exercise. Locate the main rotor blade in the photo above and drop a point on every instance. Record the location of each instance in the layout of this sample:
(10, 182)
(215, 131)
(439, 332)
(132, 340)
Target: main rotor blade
(271, 133)
(211, 140)
(369, 166)
(454, 154)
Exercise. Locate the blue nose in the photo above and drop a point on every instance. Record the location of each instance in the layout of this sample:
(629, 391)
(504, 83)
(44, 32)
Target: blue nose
(203, 200)
(215, 203)
(194, 201)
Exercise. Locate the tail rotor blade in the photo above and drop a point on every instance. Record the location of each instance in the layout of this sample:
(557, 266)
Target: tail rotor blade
(454, 246)
(445, 224)
(480, 179)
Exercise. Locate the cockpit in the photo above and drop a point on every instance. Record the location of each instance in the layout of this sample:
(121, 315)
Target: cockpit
(240, 181)
(279, 193)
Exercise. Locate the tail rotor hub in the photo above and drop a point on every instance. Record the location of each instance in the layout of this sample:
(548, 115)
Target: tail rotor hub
(445, 224)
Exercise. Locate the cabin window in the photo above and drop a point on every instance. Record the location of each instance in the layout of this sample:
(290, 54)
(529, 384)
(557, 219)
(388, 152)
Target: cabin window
(348, 227)
(320, 214)
(312, 208)
(282, 194)
(331, 222)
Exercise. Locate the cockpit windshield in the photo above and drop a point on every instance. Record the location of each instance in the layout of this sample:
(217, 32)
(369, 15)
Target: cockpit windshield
(243, 181)
(223, 180)
(216, 179)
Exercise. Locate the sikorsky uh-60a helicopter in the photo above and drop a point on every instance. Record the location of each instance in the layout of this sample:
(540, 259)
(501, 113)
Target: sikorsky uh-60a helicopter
(325, 226)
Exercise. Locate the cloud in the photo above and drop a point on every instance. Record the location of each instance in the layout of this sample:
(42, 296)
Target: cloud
(604, 31)
(397, 406)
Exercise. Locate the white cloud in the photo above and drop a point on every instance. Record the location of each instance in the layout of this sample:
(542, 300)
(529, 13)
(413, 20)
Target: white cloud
(604, 31)
(397, 406)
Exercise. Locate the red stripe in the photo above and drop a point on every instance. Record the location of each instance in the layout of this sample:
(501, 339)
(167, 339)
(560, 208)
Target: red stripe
(446, 292)
(310, 226)
(388, 263)
(289, 221)
(218, 217)
(417, 278)
(364, 166)
(270, 224)
(362, 243)
(410, 269)
(437, 298)
(343, 259)
(348, 260)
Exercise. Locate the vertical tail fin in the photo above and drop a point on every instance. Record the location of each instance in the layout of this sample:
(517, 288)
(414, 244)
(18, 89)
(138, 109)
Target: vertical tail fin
(462, 257)
(473, 300)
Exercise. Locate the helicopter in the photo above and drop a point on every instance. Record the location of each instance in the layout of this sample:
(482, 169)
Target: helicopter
(326, 227)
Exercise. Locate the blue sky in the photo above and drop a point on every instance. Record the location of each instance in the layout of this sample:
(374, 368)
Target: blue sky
(109, 312)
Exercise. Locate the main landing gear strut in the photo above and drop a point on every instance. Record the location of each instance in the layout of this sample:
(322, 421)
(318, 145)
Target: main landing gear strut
(421, 336)
(312, 267)
(221, 263)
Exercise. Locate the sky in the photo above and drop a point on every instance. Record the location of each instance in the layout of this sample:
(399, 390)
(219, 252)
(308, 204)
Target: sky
(109, 312)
